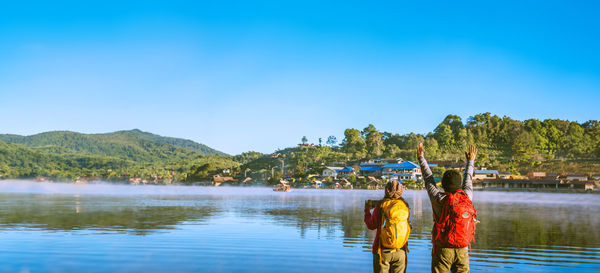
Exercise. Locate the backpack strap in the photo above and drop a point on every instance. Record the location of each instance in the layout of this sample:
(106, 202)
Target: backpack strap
(409, 226)
(387, 217)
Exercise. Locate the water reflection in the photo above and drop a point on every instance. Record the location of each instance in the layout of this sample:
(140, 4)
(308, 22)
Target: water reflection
(69, 213)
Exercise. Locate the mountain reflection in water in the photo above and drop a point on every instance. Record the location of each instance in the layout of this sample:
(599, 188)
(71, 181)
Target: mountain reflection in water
(223, 230)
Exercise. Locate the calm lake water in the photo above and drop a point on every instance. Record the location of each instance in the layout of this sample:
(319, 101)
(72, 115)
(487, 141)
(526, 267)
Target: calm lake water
(105, 228)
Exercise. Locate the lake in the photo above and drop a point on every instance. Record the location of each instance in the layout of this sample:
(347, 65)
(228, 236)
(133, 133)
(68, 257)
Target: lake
(51, 227)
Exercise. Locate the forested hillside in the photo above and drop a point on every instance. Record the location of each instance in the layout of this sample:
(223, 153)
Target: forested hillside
(179, 142)
(132, 145)
(498, 138)
(504, 143)
(64, 155)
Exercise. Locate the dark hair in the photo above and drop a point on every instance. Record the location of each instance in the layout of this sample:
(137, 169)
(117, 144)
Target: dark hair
(451, 181)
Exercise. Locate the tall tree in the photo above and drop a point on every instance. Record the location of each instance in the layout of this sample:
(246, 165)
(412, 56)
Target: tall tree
(373, 141)
(455, 124)
(443, 135)
(412, 140)
(431, 146)
(523, 146)
(331, 141)
(354, 144)
(392, 151)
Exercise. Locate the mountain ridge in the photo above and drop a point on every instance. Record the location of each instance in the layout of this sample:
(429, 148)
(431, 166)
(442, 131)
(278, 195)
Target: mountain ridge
(132, 144)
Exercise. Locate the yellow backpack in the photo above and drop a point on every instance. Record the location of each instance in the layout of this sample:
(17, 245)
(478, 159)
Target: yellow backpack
(395, 229)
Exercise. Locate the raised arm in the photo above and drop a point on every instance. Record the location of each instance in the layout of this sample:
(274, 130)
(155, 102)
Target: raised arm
(467, 185)
(435, 195)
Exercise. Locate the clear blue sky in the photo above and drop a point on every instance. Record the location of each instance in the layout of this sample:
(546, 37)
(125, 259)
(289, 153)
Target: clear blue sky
(242, 76)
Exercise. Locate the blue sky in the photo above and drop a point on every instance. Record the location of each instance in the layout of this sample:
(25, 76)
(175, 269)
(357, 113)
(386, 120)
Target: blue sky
(249, 75)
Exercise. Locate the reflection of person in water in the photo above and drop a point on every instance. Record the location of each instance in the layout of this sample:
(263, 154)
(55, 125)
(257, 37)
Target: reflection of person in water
(390, 218)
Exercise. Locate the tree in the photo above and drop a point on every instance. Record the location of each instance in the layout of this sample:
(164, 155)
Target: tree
(523, 146)
(304, 140)
(395, 139)
(455, 124)
(431, 146)
(392, 151)
(201, 172)
(373, 141)
(320, 141)
(412, 140)
(443, 135)
(577, 143)
(331, 141)
(354, 144)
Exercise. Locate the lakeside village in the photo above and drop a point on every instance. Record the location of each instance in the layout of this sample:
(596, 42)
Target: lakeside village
(375, 173)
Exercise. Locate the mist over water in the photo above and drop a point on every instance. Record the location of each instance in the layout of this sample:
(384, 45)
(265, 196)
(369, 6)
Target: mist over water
(102, 227)
(108, 188)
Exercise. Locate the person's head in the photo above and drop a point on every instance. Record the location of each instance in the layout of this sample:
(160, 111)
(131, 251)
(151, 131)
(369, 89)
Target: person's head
(451, 181)
(393, 190)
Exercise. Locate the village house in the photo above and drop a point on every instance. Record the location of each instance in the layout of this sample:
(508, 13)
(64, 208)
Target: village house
(505, 175)
(485, 174)
(391, 160)
(331, 172)
(522, 183)
(346, 172)
(589, 186)
(373, 162)
(372, 167)
(135, 180)
(402, 171)
(371, 171)
(536, 175)
(577, 177)
(218, 180)
(554, 176)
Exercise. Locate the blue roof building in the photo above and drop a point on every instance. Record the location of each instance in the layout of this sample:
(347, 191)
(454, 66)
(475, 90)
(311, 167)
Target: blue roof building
(485, 172)
(406, 165)
(346, 169)
(402, 171)
(371, 169)
(346, 172)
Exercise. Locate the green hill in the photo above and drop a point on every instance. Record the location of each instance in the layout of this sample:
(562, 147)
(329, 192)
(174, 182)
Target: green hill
(18, 161)
(64, 155)
(133, 145)
(179, 142)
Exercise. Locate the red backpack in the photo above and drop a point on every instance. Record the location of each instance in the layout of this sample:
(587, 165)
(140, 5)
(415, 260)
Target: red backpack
(456, 225)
